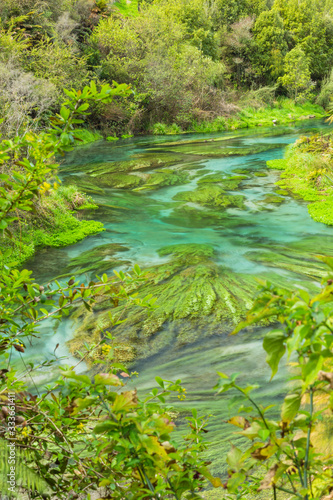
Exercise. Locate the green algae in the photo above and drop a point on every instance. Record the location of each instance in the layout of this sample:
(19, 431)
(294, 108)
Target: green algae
(98, 260)
(196, 217)
(85, 185)
(119, 180)
(289, 262)
(260, 174)
(212, 195)
(282, 192)
(210, 295)
(214, 178)
(241, 171)
(218, 149)
(273, 198)
(162, 178)
(188, 251)
(139, 162)
(196, 298)
(226, 183)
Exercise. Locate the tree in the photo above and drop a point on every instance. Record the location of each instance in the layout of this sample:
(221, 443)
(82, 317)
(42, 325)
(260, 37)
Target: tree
(297, 78)
(308, 23)
(271, 45)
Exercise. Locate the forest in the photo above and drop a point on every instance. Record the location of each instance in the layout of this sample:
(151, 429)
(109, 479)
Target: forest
(166, 249)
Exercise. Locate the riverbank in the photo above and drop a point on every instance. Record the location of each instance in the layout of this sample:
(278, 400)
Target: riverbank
(308, 174)
(284, 111)
(56, 221)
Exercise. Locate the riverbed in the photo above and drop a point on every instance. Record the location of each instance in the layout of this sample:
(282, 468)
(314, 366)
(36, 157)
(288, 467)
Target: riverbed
(212, 197)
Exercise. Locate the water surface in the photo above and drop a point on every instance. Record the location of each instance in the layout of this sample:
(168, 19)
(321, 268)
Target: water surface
(145, 221)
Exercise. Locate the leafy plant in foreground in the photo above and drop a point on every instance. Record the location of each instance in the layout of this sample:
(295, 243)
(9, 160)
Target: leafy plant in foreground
(82, 433)
(287, 447)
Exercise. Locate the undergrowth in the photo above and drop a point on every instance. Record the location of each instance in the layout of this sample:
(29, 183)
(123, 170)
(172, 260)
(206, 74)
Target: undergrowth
(284, 111)
(54, 223)
(308, 174)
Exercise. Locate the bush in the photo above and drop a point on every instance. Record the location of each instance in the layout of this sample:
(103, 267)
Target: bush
(326, 91)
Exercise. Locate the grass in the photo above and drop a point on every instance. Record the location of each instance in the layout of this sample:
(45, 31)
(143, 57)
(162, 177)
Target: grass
(86, 136)
(308, 176)
(54, 224)
(283, 112)
(128, 8)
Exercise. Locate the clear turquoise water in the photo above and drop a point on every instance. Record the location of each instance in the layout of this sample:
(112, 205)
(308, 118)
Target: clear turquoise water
(143, 222)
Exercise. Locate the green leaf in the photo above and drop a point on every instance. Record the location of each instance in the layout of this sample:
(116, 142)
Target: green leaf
(159, 381)
(107, 379)
(80, 378)
(274, 346)
(290, 407)
(234, 458)
(311, 369)
(64, 113)
(235, 481)
(215, 481)
(104, 427)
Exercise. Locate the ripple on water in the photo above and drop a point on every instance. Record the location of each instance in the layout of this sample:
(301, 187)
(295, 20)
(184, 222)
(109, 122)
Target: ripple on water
(262, 238)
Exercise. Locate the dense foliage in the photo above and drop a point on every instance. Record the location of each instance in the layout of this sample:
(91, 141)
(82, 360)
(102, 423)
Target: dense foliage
(188, 61)
(79, 435)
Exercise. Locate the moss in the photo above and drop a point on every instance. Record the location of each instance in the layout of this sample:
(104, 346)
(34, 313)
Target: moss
(307, 175)
(279, 164)
(282, 192)
(118, 180)
(163, 178)
(73, 231)
(322, 211)
(54, 224)
(211, 195)
(260, 174)
(273, 198)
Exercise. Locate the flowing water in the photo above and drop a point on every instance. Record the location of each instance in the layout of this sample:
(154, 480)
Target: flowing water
(243, 234)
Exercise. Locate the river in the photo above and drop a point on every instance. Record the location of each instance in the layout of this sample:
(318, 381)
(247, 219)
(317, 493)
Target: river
(258, 231)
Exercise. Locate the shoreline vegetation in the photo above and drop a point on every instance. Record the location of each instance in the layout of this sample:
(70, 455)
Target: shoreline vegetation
(73, 72)
(283, 112)
(56, 221)
(306, 173)
(59, 223)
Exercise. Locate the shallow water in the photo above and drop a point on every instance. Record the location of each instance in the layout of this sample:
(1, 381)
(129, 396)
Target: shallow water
(145, 221)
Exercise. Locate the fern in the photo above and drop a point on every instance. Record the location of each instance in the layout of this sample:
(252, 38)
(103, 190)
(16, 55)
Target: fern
(26, 478)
